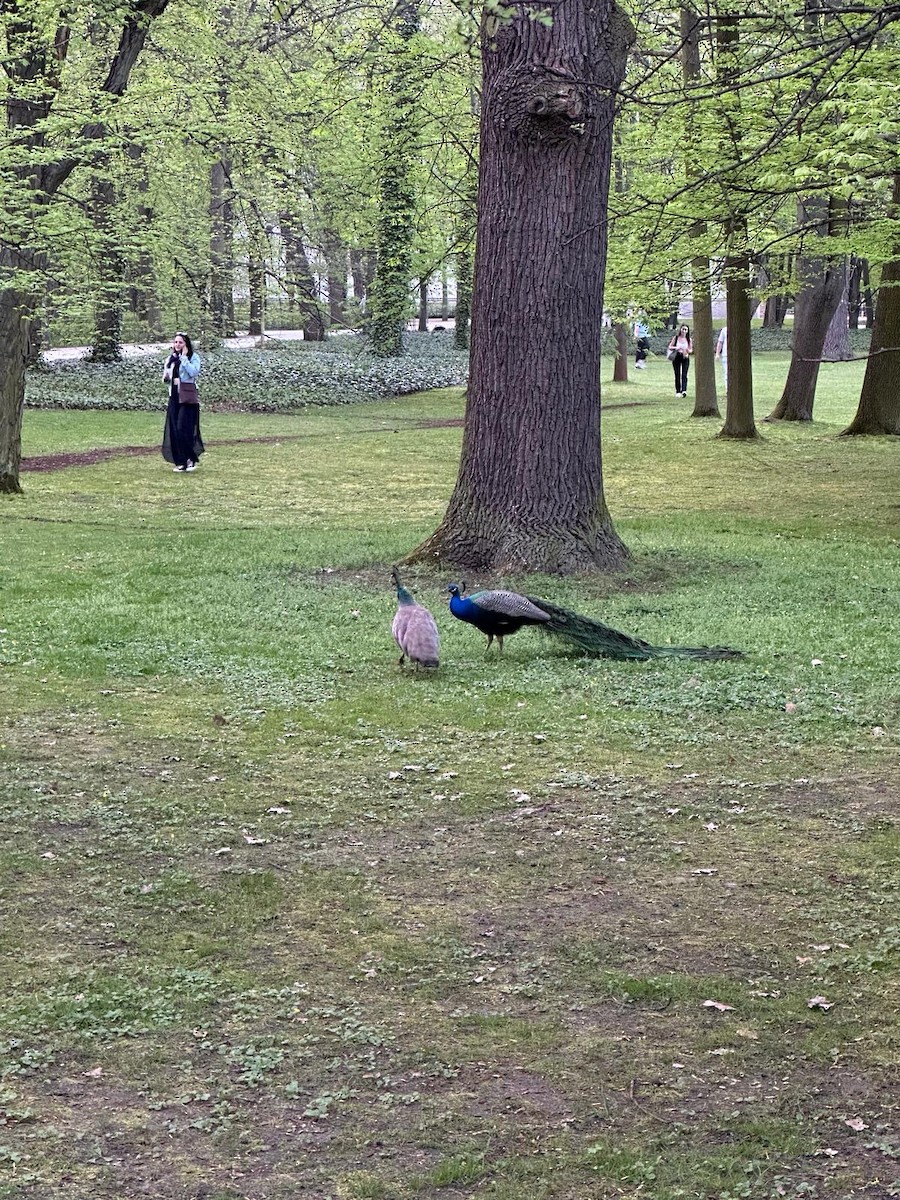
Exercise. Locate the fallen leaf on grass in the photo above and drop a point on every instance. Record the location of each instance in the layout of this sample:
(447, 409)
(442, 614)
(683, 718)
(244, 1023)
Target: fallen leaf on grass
(706, 871)
(856, 1123)
(251, 840)
(819, 1002)
(98, 1071)
(718, 1006)
(222, 850)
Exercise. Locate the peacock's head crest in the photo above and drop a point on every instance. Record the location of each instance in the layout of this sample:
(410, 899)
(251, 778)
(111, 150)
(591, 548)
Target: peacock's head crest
(456, 589)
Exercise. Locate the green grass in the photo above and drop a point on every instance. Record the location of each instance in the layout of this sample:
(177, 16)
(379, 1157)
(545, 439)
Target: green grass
(282, 921)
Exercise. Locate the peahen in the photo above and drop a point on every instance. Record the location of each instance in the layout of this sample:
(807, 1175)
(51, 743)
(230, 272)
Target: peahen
(499, 613)
(414, 628)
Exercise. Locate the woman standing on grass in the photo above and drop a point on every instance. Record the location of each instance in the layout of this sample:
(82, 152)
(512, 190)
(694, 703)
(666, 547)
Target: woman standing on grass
(182, 444)
(679, 352)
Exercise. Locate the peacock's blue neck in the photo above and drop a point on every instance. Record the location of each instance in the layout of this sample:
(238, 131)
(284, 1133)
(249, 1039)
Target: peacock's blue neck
(462, 607)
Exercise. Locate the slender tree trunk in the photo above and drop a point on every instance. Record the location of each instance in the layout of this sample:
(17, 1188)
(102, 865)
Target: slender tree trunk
(854, 292)
(879, 400)
(423, 305)
(106, 343)
(837, 346)
(445, 294)
(301, 286)
(256, 280)
(739, 422)
(706, 403)
(529, 495)
(463, 310)
(143, 299)
(620, 362)
(336, 258)
(821, 285)
(221, 247)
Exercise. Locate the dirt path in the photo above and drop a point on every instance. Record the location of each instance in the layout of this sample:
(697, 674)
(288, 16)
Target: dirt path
(90, 458)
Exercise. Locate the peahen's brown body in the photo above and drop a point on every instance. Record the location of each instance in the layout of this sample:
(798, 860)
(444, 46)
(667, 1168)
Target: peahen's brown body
(414, 628)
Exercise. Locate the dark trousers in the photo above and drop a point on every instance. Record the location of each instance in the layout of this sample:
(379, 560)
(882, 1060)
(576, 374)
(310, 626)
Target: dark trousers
(680, 364)
(643, 345)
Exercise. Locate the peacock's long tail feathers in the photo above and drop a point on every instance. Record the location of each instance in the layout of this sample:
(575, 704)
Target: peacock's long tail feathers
(593, 637)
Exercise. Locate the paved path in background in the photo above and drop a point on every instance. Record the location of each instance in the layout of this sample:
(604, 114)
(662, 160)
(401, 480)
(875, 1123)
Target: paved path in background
(242, 342)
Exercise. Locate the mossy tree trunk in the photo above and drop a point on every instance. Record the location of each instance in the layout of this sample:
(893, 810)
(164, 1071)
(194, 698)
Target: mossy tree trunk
(390, 297)
(529, 494)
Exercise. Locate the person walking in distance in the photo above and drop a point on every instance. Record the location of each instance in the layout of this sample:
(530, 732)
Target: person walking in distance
(182, 444)
(679, 354)
(722, 353)
(641, 343)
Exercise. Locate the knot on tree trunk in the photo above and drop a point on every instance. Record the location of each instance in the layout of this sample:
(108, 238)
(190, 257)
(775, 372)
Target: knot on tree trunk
(538, 106)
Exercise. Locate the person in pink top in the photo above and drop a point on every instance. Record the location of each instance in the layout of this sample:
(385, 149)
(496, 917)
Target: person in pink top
(679, 353)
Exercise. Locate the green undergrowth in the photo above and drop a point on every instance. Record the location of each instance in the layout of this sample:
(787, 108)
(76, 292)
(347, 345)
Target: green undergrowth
(284, 920)
(291, 376)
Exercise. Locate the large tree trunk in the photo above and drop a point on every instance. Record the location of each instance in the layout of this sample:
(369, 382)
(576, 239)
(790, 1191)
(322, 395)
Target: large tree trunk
(529, 495)
(14, 329)
(821, 286)
(739, 420)
(879, 400)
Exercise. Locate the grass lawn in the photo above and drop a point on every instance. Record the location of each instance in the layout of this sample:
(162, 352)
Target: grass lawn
(282, 920)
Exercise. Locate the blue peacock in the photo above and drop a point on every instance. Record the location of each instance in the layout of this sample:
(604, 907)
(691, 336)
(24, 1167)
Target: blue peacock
(500, 613)
(414, 628)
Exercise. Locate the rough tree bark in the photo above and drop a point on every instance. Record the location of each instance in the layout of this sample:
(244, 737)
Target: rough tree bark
(821, 286)
(837, 346)
(739, 420)
(33, 66)
(879, 400)
(529, 495)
